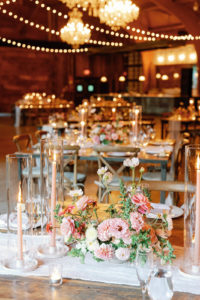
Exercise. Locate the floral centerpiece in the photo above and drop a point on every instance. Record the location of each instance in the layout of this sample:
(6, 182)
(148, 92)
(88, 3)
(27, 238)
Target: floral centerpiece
(110, 133)
(124, 228)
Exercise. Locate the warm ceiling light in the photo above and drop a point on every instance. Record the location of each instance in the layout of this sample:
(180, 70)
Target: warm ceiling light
(191, 101)
(181, 56)
(193, 56)
(165, 77)
(158, 76)
(75, 32)
(142, 78)
(171, 58)
(103, 79)
(176, 75)
(160, 58)
(122, 78)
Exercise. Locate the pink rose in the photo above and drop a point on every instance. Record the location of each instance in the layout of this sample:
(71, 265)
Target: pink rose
(67, 227)
(137, 221)
(119, 228)
(104, 252)
(144, 206)
(104, 230)
(83, 202)
(96, 139)
(114, 136)
(108, 127)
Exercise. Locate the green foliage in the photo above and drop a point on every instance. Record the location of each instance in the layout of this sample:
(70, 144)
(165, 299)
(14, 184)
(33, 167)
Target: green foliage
(112, 211)
(77, 253)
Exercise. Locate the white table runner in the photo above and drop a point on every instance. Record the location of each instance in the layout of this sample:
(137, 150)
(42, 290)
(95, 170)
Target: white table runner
(108, 272)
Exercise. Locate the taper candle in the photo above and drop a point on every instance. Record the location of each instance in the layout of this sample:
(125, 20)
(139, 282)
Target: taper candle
(53, 202)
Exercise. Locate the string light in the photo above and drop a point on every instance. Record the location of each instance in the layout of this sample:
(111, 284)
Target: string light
(48, 8)
(39, 48)
(144, 35)
(52, 31)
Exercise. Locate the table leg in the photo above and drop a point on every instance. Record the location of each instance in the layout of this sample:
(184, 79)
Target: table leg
(163, 178)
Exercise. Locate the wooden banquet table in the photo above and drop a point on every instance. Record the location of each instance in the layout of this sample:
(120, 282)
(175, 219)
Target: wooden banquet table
(18, 288)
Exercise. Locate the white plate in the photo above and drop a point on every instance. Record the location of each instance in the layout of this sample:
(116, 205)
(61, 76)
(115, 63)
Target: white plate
(158, 208)
(120, 154)
(161, 142)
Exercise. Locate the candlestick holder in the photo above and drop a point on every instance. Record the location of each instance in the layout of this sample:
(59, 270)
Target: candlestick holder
(136, 122)
(20, 211)
(191, 262)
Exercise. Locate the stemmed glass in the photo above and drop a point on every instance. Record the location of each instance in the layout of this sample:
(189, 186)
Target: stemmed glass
(144, 268)
(160, 285)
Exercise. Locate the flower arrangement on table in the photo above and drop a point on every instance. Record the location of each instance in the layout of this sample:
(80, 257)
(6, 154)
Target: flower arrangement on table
(107, 134)
(125, 226)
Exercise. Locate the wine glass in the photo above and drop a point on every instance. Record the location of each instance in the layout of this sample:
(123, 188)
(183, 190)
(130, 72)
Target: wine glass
(144, 268)
(160, 285)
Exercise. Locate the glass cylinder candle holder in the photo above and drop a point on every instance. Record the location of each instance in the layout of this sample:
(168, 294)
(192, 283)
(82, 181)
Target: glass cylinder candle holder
(19, 191)
(136, 122)
(191, 264)
(20, 212)
(53, 193)
(55, 274)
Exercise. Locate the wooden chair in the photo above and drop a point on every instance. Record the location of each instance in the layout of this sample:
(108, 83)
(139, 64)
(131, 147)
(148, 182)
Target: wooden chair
(23, 142)
(41, 134)
(72, 178)
(105, 159)
(165, 186)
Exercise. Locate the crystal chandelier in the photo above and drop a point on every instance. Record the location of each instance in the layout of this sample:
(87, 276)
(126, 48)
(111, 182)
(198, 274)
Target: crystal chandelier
(118, 13)
(91, 5)
(75, 32)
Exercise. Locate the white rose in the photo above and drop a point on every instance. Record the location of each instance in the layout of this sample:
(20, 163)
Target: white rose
(132, 163)
(91, 234)
(102, 137)
(102, 171)
(92, 245)
(107, 177)
(76, 193)
(82, 246)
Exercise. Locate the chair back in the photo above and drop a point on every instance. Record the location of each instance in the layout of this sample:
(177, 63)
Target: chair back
(23, 142)
(41, 134)
(166, 186)
(71, 157)
(111, 154)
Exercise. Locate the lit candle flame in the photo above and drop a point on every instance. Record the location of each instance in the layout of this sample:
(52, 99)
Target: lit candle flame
(137, 111)
(82, 123)
(83, 110)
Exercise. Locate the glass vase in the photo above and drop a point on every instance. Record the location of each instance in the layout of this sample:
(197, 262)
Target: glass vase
(191, 264)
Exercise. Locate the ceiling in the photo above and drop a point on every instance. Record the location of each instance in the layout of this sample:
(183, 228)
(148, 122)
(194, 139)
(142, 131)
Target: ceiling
(155, 15)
